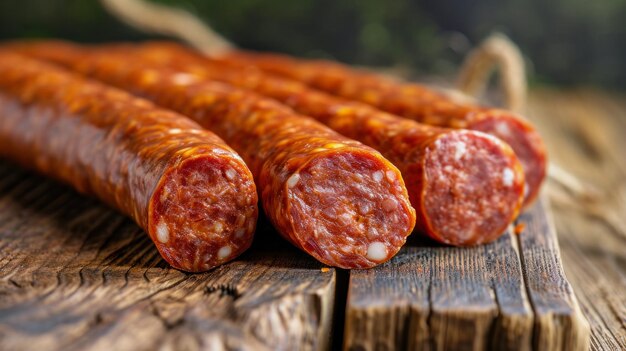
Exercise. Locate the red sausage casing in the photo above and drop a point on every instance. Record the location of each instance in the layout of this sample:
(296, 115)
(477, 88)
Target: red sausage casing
(466, 186)
(411, 101)
(182, 184)
(333, 197)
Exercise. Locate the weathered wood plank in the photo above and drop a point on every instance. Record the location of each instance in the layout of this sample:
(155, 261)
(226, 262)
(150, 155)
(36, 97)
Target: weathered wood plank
(584, 130)
(75, 275)
(559, 322)
(434, 297)
(444, 298)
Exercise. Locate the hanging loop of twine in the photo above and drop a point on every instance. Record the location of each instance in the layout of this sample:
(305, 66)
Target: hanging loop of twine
(161, 19)
(495, 52)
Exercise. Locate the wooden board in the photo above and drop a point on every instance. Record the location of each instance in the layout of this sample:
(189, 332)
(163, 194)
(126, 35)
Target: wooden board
(584, 130)
(508, 295)
(75, 275)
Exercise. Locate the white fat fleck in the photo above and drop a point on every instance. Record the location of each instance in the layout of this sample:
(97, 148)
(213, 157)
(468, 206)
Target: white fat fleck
(361, 227)
(322, 232)
(218, 227)
(224, 252)
(508, 177)
(230, 174)
(391, 175)
(240, 232)
(364, 208)
(459, 150)
(182, 78)
(163, 233)
(175, 130)
(345, 218)
(378, 176)
(389, 205)
(322, 190)
(293, 180)
(503, 129)
(376, 251)
(347, 249)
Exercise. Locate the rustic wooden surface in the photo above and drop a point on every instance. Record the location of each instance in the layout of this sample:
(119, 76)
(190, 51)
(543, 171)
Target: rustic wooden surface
(507, 295)
(585, 131)
(76, 275)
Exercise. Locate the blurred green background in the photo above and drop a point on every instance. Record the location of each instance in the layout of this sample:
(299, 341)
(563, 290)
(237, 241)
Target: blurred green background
(567, 42)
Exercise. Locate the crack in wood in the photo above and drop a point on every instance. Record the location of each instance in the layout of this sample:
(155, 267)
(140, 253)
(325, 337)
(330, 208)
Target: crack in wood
(224, 290)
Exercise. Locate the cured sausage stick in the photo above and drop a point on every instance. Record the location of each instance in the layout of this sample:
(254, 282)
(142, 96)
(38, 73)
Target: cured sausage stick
(466, 186)
(411, 101)
(182, 184)
(333, 197)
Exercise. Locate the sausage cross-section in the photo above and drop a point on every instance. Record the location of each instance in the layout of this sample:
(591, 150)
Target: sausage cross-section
(192, 193)
(331, 196)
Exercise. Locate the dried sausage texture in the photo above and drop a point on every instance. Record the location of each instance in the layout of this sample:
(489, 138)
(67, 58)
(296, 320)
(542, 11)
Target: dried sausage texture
(466, 186)
(192, 193)
(411, 101)
(333, 197)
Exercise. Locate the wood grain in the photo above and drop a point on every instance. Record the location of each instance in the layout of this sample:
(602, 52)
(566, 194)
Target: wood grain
(559, 322)
(585, 133)
(75, 275)
(443, 298)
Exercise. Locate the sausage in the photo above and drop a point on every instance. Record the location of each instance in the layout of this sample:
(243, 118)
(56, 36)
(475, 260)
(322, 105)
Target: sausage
(466, 186)
(190, 192)
(443, 189)
(331, 196)
(411, 101)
